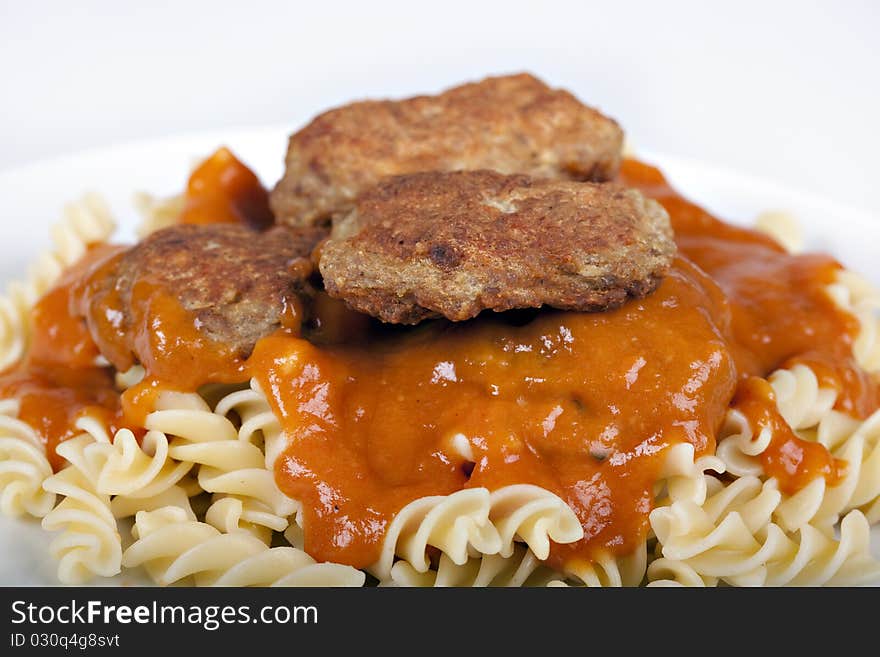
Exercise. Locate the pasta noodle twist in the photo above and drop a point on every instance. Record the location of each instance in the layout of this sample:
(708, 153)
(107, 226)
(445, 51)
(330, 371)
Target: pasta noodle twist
(23, 466)
(607, 570)
(782, 227)
(664, 572)
(127, 507)
(89, 543)
(521, 568)
(85, 222)
(801, 400)
(534, 516)
(473, 522)
(681, 476)
(808, 408)
(258, 424)
(174, 548)
(740, 445)
(858, 296)
(232, 514)
(457, 524)
(732, 538)
(137, 470)
(227, 465)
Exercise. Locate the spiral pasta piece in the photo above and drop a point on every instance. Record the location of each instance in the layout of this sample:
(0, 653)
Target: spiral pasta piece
(534, 516)
(137, 470)
(227, 465)
(85, 222)
(607, 570)
(859, 297)
(89, 543)
(681, 476)
(176, 496)
(732, 538)
(233, 514)
(664, 572)
(173, 548)
(520, 568)
(800, 398)
(457, 524)
(808, 408)
(782, 227)
(23, 466)
(258, 424)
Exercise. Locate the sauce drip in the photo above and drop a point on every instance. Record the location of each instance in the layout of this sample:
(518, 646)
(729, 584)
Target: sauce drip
(61, 379)
(781, 312)
(584, 405)
(794, 462)
(174, 353)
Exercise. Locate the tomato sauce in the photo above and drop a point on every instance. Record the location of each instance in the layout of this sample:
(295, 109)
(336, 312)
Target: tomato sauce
(223, 190)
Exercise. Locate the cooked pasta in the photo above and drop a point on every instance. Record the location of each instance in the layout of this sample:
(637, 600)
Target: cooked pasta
(607, 570)
(520, 568)
(174, 548)
(23, 466)
(856, 295)
(458, 525)
(257, 424)
(732, 538)
(85, 222)
(227, 465)
(809, 409)
(783, 227)
(138, 470)
(89, 543)
(477, 521)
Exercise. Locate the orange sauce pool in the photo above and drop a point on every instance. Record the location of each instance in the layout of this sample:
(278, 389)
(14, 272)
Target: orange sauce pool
(781, 313)
(584, 405)
(60, 380)
(580, 404)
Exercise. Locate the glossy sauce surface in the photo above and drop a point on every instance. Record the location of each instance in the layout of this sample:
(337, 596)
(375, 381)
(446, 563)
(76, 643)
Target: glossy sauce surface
(61, 379)
(581, 404)
(781, 312)
(223, 190)
(794, 462)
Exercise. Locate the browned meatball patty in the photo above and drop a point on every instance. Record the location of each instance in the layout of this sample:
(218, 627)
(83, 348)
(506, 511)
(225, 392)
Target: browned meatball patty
(454, 244)
(511, 124)
(234, 281)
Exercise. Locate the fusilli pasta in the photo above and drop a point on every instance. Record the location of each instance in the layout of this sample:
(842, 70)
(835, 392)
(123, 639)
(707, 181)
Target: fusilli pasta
(227, 465)
(174, 548)
(23, 466)
(732, 538)
(521, 568)
(85, 222)
(89, 543)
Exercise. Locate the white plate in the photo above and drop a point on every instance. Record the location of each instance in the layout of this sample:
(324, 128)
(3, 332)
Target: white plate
(31, 198)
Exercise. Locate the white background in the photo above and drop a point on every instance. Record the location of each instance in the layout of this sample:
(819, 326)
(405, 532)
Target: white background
(789, 91)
